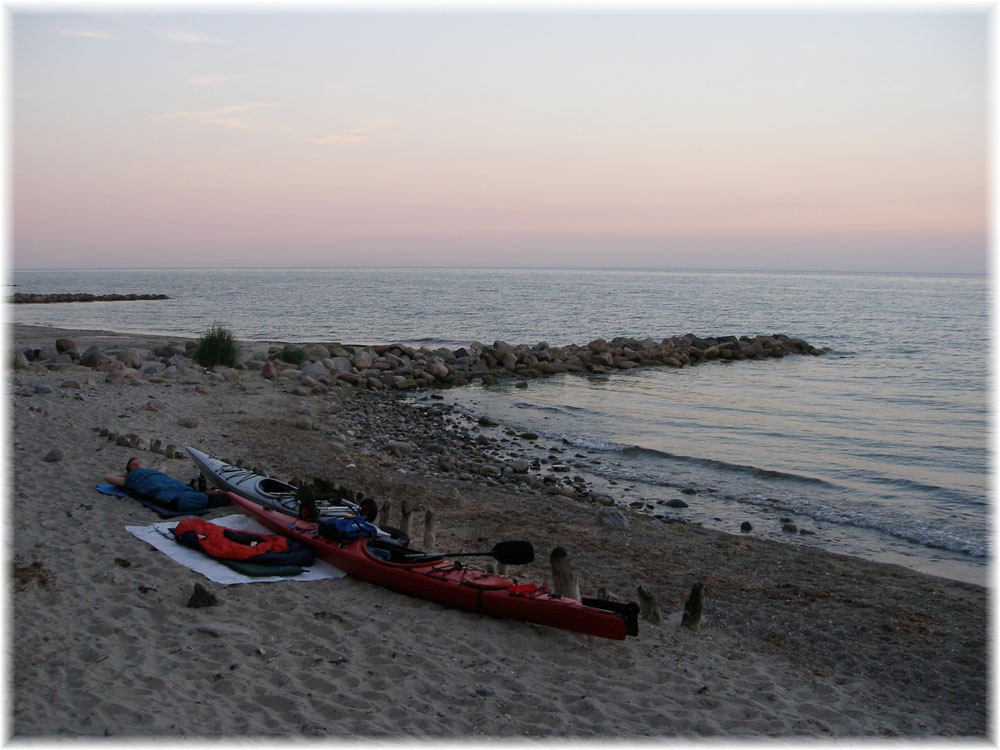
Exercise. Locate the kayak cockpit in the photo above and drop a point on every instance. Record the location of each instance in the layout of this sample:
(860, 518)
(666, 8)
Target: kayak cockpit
(391, 551)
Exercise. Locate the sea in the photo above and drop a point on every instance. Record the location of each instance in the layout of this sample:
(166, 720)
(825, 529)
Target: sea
(877, 449)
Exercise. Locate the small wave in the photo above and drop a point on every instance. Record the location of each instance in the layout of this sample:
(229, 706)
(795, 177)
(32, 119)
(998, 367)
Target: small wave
(905, 528)
(726, 466)
(590, 442)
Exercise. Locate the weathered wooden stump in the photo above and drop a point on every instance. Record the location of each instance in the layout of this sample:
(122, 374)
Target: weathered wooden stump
(564, 579)
(649, 610)
(429, 529)
(693, 607)
(405, 517)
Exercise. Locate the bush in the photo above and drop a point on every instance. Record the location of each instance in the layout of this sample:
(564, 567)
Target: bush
(216, 347)
(292, 356)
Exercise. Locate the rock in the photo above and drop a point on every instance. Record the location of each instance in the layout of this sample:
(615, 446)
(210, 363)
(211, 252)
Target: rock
(401, 448)
(269, 371)
(315, 370)
(339, 365)
(403, 384)
(790, 528)
(519, 465)
(316, 351)
(613, 517)
(363, 360)
(55, 455)
(202, 597)
(490, 470)
(131, 358)
(746, 527)
(676, 502)
(65, 345)
(487, 421)
(93, 357)
(189, 422)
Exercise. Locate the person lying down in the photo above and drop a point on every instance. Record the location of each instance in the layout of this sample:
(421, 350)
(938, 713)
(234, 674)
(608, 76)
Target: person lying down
(156, 487)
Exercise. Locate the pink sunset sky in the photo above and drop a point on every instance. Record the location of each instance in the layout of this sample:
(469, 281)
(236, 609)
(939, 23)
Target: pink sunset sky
(658, 138)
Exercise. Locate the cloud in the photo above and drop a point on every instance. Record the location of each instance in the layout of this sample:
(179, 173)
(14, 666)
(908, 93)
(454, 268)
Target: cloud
(354, 136)
(87, 33)
(189, 36)
(234, 116)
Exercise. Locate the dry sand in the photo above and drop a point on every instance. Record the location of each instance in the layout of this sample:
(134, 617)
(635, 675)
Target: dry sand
(793, 642)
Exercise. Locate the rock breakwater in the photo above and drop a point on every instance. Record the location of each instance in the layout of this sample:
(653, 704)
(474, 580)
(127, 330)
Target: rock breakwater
(404, 367)
(400, 367)
(27, 298)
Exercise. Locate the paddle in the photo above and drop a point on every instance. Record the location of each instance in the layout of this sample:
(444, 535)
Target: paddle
(508, 553)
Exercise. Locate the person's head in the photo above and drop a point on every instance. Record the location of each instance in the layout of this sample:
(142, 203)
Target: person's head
(133, 463)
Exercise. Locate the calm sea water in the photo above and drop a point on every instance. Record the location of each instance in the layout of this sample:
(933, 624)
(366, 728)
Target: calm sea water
(879, 448)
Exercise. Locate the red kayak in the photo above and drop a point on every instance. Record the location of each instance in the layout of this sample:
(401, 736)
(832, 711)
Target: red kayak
(431, 576)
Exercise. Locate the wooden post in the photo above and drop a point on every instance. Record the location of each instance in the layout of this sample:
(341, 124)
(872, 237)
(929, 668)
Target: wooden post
(564, 579)
(405, 517)
(385, 513)
(429, 530)
(648, 608)
(693, 607)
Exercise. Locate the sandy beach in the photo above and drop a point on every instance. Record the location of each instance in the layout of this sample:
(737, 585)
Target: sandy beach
(794, 643)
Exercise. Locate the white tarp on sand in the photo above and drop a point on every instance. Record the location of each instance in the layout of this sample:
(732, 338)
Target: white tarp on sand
(159, 536)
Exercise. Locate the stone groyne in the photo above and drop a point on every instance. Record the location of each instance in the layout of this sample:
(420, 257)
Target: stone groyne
(26, 298)
(317, 366)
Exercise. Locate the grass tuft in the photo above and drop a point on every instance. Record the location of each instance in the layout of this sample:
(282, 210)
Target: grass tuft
(216, 347)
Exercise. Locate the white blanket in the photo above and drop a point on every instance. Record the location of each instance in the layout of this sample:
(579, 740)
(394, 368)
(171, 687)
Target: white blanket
(160, 537)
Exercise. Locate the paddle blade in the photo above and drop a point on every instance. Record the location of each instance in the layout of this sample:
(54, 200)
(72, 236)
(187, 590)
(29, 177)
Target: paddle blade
(513, 552)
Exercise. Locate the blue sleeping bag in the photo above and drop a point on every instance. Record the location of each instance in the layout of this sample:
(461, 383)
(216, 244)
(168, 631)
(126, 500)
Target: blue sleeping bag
(156, 487)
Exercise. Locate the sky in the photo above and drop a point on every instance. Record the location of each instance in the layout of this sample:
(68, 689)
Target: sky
(661, 137)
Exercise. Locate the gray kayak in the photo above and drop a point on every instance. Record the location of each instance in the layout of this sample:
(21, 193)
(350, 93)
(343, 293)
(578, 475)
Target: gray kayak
(261, 489)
